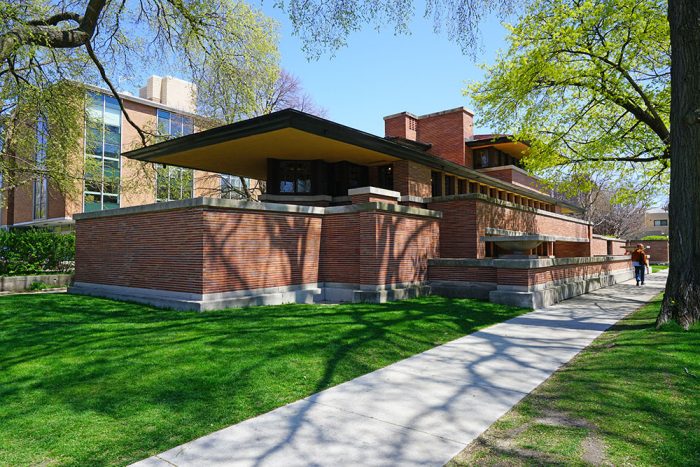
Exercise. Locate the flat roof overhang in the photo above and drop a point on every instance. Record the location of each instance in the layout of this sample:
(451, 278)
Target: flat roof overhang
(242, 148)
(517, 149)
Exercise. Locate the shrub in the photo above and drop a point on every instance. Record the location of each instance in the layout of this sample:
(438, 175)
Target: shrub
(655, 237)
(35, 251)
(36, 286)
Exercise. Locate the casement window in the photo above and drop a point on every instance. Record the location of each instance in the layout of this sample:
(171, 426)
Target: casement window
(294, 177)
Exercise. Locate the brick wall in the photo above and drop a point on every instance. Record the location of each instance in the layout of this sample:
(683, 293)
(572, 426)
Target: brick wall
(210, 250)
(462, 273)
(395, 248)
(530, 277)
(159, 250)
(412, 179)
(446, 132)
(465, 221)
(599, 246)
(656, 249)
(340, 249)
(250, 250)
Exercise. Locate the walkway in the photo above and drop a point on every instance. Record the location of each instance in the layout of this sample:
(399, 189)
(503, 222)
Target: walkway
(427, 408)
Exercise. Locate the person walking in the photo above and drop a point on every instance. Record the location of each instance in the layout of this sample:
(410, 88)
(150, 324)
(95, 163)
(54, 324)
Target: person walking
(640, 263)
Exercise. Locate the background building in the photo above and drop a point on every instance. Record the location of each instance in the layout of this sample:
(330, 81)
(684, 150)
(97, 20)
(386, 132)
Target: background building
(656, 221)
(166, 106)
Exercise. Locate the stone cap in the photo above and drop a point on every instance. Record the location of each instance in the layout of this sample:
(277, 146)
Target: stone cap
(524, 263)
(373, 190)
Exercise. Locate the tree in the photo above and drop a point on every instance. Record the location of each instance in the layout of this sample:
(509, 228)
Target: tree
(48, 49)
(597, 197)
(682, 298)
(587, 84)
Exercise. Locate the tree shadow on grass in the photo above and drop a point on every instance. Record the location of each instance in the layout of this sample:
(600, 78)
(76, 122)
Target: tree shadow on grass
(113, 382)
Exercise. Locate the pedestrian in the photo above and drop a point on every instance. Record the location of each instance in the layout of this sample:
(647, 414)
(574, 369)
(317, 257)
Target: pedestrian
(640, 263)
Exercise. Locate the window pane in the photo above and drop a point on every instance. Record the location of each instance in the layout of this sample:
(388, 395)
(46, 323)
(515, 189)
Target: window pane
(188, 126)
(176, 125)
(163, 122)
(112, 150)
(112, 134)
(92, 202)
(110, 202)
(111, 176)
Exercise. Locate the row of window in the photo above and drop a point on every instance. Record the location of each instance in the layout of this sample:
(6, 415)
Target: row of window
(447, 185)
(103, 155)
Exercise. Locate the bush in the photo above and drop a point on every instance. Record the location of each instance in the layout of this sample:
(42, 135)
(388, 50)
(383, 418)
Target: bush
(35, 251)
(655, 237)
(37, 286)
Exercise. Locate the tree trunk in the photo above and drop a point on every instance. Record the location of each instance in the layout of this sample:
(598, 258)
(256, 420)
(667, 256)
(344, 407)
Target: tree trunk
(682, 300)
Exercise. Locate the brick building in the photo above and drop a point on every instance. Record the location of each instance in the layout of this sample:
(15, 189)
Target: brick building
(348, 216)
(166, 105)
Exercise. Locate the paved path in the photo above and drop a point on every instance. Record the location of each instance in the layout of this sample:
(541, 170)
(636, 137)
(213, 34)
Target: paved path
(427, 408)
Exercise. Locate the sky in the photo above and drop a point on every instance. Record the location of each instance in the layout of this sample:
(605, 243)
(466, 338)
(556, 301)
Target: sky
(379, 74)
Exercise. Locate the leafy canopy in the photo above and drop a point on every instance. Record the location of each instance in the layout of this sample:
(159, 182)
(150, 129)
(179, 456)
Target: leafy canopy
(587, 83)
(50, 48)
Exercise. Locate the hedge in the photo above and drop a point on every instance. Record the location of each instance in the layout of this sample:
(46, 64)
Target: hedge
(655, 237)
(35, 251)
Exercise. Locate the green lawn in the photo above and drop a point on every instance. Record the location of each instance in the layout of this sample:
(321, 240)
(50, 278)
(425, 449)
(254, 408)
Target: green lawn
(631, 398)
(658, 267)
(86, 381)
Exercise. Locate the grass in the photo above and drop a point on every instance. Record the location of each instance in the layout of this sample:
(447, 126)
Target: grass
(631, 398)
(658, 267)
(88, 381)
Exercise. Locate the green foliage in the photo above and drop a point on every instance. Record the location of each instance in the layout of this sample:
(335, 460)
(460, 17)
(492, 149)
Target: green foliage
(587, 84)
(655, 237)
(35, 251)
(87, 381)
(38, 285)
(48, 49)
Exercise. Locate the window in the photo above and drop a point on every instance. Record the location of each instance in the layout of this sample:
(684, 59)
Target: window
(449, 185)
(660, 222)
(232, 188)
(40, 186)
(436, 182)
(102, 153)
(173, 183)
(295, 176)
(385, 177)
(172, 125)
(461, 186)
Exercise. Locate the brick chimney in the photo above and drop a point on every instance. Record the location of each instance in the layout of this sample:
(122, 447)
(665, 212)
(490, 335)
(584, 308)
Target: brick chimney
(402, 125)
(446, 131)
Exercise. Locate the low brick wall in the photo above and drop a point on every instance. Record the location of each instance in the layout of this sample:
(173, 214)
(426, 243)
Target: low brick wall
(529, 283)
(656, 249)
(210, 253)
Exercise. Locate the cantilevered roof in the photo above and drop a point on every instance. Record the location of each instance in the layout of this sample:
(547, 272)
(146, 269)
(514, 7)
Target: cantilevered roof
(242, 148)
(503, 143)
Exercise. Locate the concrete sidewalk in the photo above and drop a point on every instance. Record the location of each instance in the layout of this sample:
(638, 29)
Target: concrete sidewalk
(427, 408)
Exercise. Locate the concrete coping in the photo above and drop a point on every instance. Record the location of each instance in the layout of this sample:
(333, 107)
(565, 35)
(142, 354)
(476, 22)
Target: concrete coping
(295, 198)
(605, 237)
(525, 263)
(244, 205)
(532, 237)
(413, 199)
(507, 204)
(373, 190)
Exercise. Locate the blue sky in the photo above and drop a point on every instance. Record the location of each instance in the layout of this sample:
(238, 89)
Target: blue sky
(379, 74)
